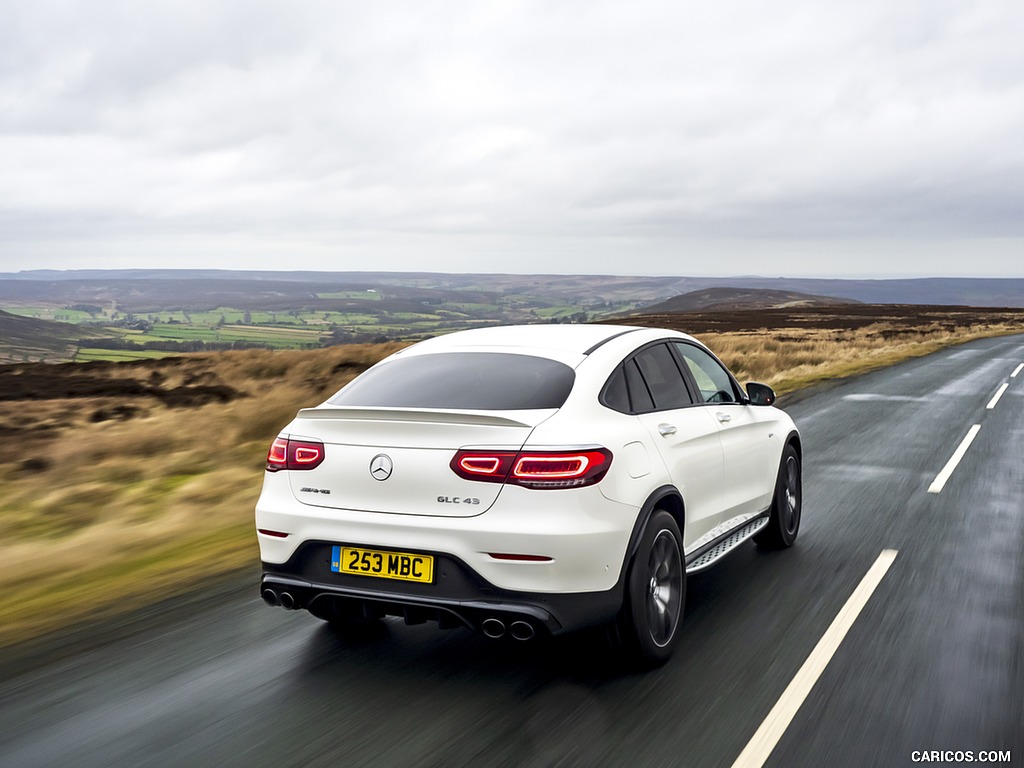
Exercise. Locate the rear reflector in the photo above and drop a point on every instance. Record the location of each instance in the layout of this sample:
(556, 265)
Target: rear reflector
(285, 453)
(534, 469)
(275, 534)
(521, 558)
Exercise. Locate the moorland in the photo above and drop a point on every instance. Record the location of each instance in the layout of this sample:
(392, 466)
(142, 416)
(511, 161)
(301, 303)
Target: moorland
(123, 483)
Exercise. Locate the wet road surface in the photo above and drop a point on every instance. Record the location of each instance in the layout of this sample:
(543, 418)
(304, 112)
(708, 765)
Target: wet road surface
(935, 661)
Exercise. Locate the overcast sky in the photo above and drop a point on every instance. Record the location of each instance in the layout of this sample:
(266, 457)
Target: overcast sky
(871, 138)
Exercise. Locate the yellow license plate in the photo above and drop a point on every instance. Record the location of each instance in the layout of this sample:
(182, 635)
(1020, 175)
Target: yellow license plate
(385, 565)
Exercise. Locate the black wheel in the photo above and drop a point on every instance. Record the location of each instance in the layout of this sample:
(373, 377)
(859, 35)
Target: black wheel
(784, 521)
(647, 626)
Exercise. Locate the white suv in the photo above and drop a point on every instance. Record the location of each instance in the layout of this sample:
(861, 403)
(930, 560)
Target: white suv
(527, 479)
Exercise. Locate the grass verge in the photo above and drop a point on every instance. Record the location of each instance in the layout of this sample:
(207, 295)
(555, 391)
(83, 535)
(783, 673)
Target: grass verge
(132, 581)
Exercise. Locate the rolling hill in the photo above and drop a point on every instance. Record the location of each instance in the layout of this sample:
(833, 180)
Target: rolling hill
(27, 339)
(725, 299)
(124, 286)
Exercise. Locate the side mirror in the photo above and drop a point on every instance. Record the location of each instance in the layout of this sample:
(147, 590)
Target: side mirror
(760, 394)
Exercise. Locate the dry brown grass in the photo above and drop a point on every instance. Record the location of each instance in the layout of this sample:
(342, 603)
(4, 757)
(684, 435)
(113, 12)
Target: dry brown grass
(791, 360)
(103, 516)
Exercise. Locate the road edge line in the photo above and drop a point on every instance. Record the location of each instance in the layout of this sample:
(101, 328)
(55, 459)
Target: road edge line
(767, 736)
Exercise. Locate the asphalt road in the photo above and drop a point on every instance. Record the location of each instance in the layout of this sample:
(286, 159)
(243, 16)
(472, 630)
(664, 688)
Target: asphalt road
(935, 661)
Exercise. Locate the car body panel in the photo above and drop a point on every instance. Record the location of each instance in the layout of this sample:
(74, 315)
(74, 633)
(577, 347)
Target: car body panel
(692, 453)
(752, 441)
(564, 550)
(584, 534)
(416, 446)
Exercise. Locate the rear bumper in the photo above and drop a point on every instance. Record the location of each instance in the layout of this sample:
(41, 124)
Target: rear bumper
(458, 597)
(581, 536)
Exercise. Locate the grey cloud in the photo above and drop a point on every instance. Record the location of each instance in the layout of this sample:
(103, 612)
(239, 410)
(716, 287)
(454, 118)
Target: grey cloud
(432, 133)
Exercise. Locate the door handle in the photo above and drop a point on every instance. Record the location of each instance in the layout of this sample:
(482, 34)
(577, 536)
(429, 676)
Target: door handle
(666, 429)
(723, 418)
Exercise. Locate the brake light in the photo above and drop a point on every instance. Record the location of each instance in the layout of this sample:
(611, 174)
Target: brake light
(285, 453)
(551, 467)
(487, 466)
(534, 469)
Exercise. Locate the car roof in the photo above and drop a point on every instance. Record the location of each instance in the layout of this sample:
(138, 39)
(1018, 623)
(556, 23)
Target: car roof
(564, 338)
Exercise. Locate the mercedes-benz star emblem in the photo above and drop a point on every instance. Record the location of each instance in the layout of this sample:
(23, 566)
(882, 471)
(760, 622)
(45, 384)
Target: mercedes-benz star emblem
(381, 466)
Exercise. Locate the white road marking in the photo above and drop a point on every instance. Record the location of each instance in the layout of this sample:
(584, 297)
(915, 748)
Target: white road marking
(1017, 370)
(940, 479)
(996, 396)
(760, 746)
(869, 397)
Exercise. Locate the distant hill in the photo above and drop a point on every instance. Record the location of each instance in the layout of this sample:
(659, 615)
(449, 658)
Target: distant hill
(27, 339)
(190, 310)
(721, 299)
(140, 290)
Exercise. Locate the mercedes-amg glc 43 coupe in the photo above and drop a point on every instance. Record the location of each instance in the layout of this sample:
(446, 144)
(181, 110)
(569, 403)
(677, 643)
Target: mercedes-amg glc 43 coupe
(527, 479)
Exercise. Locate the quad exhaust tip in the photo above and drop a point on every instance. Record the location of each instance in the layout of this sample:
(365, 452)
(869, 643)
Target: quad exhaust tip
(521, 630)
(286, 600)
(493, 628)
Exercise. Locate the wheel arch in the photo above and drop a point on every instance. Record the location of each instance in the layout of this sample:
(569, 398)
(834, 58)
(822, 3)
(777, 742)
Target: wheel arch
(793, 439)
(666, 497)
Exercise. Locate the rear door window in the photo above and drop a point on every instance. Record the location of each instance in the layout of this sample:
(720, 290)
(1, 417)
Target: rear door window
(649, 381)
(664, 380)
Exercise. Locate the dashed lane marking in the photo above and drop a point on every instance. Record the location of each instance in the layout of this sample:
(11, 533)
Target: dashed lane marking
(1017, 370)
(947, 471)
(767, 736)
(996, 396)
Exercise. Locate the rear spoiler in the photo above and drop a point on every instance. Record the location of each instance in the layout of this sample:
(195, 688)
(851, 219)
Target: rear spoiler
(425, 415)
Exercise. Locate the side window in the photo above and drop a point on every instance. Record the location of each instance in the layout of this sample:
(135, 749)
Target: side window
(625, 390)
(713, 381)
(663, 378)
(639, 396)
(615, 395)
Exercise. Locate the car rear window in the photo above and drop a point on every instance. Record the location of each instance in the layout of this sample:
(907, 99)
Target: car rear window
(485, 381)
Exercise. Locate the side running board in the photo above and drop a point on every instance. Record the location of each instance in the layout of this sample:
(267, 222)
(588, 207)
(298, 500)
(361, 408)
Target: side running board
(721, 548)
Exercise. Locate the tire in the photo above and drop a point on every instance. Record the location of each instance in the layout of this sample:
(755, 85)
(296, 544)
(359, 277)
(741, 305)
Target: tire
(648, 623)
(784, 520)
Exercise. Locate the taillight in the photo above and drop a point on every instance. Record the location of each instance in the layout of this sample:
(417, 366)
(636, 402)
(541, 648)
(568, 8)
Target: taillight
(534, 469)
(487, 466)
(285, 453)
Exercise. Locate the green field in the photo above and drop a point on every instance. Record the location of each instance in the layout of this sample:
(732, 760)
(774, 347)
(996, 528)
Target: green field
(86, 355)
(313, 319)
(361, 295)
(553, 312)
(57, 314)
(287, 337)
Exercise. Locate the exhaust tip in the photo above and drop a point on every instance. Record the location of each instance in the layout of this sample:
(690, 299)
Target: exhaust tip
(493, 628)
(522, 630)
(270, 597)
(288, 601)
